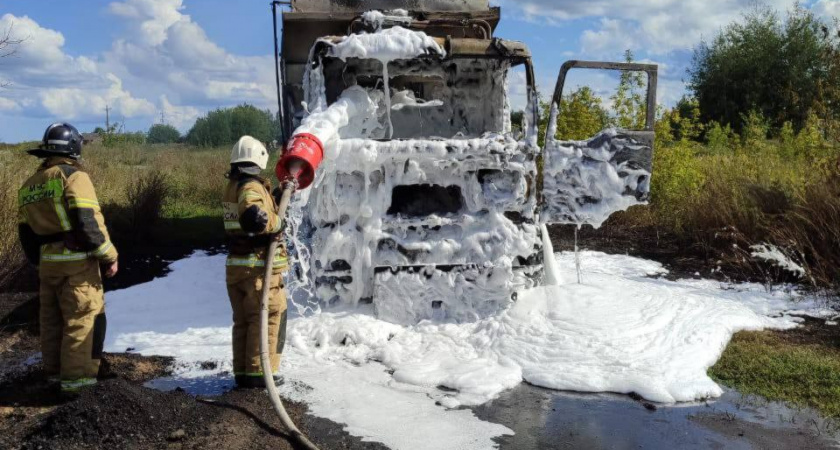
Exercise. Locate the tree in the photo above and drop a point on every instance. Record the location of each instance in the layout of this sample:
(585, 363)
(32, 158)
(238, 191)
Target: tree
(684, 123)
(8, 47)
(162, 134)
(780, 69)
(582, 115)
(630, 99)
(225, 126)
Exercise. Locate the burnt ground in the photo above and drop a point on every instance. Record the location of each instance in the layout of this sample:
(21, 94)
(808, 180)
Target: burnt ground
(724, 257)
(120, 413)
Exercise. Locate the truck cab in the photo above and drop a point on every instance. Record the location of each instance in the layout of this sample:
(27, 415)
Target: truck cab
(432, 207)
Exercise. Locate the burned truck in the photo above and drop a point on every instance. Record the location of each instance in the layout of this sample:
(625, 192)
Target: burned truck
(429, 204)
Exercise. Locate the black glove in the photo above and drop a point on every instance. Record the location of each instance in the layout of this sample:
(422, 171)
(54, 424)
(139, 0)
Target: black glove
(277, 193)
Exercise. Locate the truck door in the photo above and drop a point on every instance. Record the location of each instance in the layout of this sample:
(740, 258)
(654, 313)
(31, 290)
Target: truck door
(584, 182)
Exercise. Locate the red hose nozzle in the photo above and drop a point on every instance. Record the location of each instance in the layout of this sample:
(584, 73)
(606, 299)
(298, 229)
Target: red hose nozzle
(301, 159)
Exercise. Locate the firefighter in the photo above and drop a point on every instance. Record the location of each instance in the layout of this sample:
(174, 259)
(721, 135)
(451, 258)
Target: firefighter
(63, 233)
(251, 221)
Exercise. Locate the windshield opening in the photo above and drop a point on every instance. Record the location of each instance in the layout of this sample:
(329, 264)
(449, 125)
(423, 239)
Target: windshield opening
(453, 98)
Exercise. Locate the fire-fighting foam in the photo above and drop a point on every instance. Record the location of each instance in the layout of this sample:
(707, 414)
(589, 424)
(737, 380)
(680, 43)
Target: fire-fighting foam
(623, 330)
(350, 199)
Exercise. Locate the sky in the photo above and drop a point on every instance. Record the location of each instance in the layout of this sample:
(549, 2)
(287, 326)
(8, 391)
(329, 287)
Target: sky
(174, 60)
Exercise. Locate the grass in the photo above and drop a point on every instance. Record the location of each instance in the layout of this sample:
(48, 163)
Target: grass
(151, 196)
(721, 198)
(770, 365)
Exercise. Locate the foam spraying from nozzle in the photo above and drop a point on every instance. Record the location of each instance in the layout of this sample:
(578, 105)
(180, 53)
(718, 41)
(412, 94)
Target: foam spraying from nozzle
(318, 131)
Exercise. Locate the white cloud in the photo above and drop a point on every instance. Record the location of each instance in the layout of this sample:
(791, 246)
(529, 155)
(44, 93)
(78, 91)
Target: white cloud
(166, 52)
(181, 117)
(828, 8)
(658, 27)
(161, 61)
(150, 19)
(74, 103)
(8, 105)
(48, 82)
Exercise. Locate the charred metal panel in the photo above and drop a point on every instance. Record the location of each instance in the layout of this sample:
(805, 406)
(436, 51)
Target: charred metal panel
(586, 181)
(422, 200)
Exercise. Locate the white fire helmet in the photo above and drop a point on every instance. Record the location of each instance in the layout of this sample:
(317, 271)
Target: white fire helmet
(249, 150)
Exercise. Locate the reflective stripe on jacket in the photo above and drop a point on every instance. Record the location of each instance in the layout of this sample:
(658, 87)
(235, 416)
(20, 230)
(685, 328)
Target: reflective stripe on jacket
(250, 218)
(60, 220)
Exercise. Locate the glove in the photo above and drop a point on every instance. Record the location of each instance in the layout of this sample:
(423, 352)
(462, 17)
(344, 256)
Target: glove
(277, 193)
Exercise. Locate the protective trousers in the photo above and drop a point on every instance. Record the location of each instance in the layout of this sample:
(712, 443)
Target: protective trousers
(245, 298)
(73, 326)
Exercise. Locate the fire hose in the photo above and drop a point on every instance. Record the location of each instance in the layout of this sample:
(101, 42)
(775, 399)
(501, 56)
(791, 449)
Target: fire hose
(295, 170)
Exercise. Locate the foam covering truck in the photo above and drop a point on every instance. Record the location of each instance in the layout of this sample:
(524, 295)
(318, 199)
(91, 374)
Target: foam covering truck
(430, 204)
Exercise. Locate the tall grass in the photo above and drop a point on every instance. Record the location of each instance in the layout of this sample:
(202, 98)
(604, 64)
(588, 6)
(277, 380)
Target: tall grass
(722, 197)
(12, 261)
(139, 186)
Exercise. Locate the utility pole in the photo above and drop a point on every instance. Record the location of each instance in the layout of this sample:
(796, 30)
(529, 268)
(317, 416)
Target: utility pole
(107, 119)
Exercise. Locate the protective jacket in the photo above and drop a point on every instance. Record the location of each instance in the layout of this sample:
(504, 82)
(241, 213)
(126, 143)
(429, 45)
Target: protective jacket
(250, 217)
(60, 221)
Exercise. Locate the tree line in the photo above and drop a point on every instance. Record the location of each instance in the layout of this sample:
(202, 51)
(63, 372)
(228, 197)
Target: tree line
(220, 127)
(779, 74)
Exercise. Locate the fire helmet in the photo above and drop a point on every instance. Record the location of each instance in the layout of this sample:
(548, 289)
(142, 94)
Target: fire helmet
(60, 139)
(249, 150)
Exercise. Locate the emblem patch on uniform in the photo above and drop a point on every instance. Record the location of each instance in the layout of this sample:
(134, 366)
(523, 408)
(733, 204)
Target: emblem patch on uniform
(231, 211)
(50, 190)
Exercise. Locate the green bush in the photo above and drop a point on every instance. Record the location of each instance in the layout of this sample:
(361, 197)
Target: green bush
(720, 139)
(111, 140)
(225, 126)
(163, 134)
(582, 115)
(782, 68)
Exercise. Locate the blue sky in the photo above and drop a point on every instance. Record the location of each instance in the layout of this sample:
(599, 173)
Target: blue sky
(181, 58)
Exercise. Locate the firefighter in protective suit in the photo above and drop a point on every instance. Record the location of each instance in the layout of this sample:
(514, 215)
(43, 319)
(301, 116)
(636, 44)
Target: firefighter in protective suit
(251, 221)
(63, 233)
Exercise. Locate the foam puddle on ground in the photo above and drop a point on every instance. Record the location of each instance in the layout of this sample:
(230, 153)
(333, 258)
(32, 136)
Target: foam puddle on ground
(622, 330)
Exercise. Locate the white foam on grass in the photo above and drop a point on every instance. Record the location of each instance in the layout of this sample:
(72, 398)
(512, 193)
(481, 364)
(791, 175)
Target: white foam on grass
(775, 256)
(621, 331)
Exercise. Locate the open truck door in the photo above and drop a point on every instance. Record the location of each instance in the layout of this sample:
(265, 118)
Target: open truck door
(584, 182)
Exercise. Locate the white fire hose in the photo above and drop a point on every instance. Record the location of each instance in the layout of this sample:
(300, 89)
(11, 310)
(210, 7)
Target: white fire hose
(265, 358)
